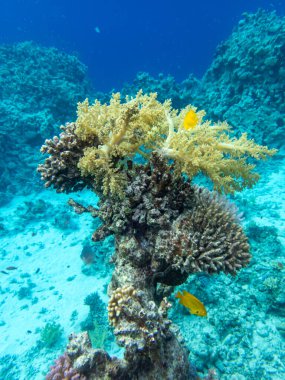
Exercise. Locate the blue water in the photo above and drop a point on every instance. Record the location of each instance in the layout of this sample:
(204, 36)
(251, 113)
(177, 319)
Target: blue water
(173, 37)
(225, 57)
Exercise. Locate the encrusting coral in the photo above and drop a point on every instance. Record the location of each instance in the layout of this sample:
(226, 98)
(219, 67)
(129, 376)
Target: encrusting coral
(140, 159)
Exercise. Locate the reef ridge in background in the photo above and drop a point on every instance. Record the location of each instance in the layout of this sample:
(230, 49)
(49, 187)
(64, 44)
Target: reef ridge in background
(39, 87)
(236, 105)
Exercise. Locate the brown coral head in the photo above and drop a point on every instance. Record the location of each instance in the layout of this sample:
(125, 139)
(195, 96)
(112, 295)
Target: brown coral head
(206, 237)
(139, 324)
(59, 169)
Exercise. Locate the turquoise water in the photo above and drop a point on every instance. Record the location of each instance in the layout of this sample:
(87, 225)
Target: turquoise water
(54, 279)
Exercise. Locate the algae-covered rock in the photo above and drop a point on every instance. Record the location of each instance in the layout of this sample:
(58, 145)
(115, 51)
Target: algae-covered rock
(39, 89)
(245, 84)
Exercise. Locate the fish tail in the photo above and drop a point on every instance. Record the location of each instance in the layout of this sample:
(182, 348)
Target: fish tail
(178, 295)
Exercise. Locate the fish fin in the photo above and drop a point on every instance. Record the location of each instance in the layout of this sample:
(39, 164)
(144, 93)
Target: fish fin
(178, 295)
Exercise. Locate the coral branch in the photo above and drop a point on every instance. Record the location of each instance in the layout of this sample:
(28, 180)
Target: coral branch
(165, 228)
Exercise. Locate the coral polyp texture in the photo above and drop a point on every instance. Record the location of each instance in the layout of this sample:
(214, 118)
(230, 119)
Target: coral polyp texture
(142, 125)
(62, 370)
(39, 88)
(61, 168)
(245, 83)
(139, 157)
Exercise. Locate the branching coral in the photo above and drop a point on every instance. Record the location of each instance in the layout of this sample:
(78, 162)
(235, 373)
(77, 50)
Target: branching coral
(60, 168)
(206, 238)
(121, 129)
(142, 122)
(140, 159)
(105, 137)
(210, 149)
(182, 229)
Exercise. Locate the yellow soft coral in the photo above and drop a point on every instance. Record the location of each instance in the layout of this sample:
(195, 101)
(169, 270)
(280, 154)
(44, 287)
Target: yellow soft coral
(142, 124)
(210, 149)
(122, 129)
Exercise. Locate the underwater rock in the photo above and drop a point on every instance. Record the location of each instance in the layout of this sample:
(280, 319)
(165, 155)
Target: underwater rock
(45, 82)
(280, 326)
(166, 87)
(88, 254)
(265, 239)
(245, 84)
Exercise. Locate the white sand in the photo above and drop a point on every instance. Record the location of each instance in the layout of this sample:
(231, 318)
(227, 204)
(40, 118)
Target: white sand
(56, 254)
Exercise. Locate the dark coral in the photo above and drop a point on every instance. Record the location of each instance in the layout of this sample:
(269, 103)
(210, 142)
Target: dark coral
(96, 364)
(154, 198)
(97, 308)
(165, 229)
(60, 168)
(207, 238)
(177, 228)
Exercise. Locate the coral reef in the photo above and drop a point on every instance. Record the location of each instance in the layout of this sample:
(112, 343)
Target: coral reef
(38, 89)
(245, 84)
(181, 94)
(119, 131)
(61, 169)
(140, 159)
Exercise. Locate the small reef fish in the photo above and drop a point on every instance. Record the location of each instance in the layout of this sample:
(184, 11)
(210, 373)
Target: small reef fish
(192, 303)
(11, 268)
(191, 120)
(2, 271)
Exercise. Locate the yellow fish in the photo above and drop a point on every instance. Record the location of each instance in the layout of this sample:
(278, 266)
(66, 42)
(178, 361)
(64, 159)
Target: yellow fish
(191, 120)
(192, 303)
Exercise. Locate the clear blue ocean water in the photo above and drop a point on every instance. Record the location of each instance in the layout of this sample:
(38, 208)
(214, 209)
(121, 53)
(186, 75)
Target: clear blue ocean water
(118, 39)
(224, 57)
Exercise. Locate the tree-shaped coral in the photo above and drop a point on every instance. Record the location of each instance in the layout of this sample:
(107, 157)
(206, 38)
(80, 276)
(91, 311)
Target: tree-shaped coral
(140, 156)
